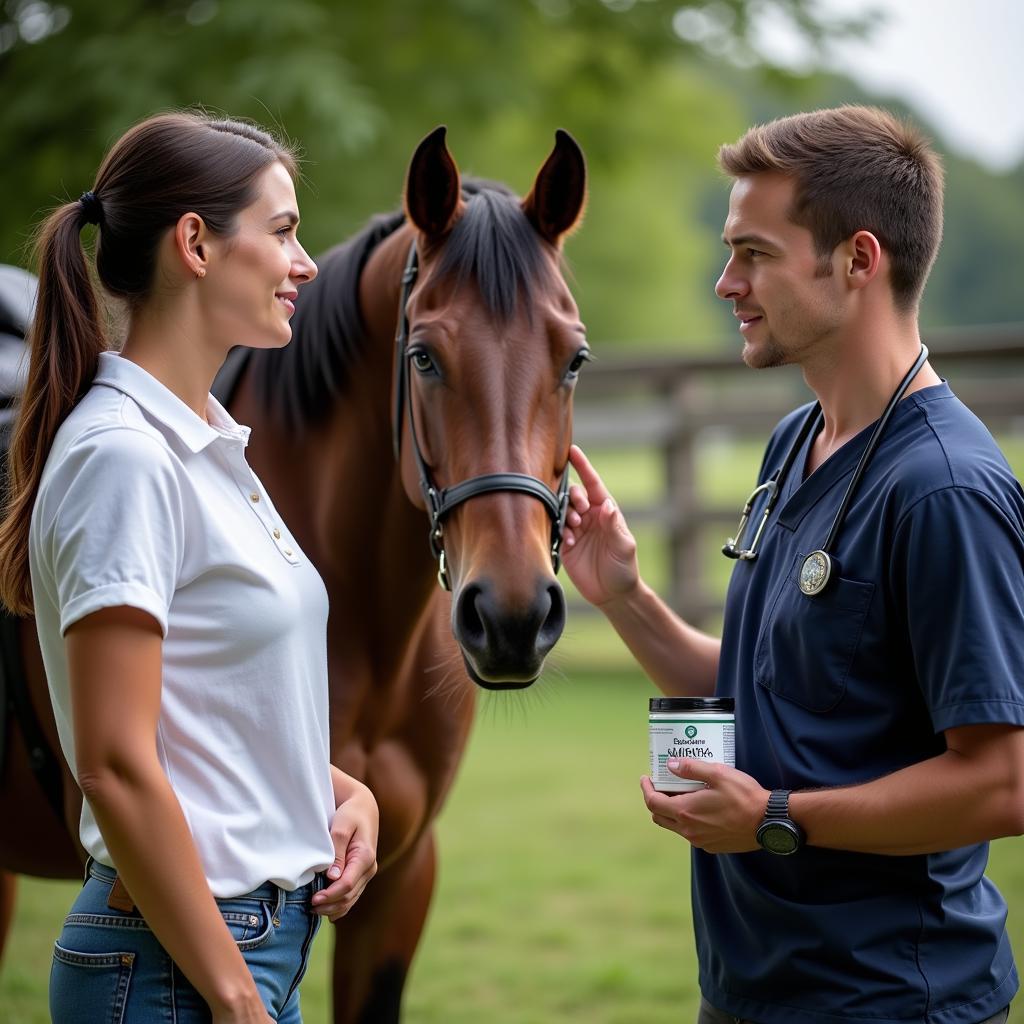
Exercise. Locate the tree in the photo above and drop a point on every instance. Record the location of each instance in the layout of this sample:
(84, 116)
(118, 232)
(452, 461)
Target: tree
(359, 84)
(650, 88)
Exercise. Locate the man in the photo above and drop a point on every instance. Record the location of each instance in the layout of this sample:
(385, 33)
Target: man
(879, 690)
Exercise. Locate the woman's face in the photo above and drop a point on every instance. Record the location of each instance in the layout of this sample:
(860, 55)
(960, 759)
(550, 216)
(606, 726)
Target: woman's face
(251, 286)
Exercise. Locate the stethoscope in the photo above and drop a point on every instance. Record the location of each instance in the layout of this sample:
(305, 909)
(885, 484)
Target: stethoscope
(818, 567)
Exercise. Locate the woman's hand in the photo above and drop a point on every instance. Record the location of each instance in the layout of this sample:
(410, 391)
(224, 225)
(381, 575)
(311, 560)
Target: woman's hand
(354, 831)
(599, 552)
(253, 1012)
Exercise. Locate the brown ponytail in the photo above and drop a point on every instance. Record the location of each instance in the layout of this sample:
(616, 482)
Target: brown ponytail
(65, 339)
(164, 167)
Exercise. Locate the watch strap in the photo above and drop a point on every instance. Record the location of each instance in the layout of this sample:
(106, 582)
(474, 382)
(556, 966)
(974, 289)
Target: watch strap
(778, 804)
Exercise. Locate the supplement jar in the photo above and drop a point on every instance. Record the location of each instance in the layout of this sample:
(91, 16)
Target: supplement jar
(703, 728)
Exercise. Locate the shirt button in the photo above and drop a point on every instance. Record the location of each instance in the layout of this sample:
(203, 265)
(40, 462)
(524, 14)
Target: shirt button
(277, 533)
(255, 497)
(288, 552)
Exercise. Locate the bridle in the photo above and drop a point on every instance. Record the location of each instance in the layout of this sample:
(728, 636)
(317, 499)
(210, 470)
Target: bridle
(441, 501)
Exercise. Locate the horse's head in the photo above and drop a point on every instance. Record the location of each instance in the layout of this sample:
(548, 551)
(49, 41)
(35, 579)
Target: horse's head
(484, 385)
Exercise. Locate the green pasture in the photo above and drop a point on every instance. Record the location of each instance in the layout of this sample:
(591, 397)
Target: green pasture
(558, 900)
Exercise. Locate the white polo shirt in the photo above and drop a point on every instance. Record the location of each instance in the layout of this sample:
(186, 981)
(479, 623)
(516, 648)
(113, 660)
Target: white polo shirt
(141, 503)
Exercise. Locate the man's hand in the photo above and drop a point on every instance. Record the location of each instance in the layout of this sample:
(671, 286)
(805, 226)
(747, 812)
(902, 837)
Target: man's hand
(598, 550)
(721, 818)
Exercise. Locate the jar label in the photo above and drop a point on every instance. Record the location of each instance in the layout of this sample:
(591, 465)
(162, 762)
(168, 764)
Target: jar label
(703, 739)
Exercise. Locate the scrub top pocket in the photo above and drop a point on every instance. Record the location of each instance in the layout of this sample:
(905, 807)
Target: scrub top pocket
(808, 644)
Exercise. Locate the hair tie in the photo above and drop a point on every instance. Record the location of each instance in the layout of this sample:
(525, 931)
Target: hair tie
(92, 210)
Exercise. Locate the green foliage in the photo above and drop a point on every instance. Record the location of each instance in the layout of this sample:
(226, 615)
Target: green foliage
(976, 278)
(650, 88)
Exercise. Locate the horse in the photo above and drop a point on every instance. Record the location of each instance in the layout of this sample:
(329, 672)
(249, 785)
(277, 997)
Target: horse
(415, 437)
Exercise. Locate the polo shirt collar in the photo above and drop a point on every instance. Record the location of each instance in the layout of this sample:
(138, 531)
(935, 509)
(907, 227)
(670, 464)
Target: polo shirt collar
(166, 407)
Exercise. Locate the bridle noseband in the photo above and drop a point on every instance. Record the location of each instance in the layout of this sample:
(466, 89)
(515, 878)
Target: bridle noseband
(441, 501)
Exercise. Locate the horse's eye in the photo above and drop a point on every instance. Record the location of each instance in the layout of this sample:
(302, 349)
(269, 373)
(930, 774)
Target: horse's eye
(583, 356)
(422, 361)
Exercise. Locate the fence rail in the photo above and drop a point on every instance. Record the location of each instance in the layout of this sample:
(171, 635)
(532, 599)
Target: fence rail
(674, 404)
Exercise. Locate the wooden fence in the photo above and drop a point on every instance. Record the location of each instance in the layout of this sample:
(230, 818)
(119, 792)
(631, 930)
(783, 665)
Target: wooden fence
(676, 404)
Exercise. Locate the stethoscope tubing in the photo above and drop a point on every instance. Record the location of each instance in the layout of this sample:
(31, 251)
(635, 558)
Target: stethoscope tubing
(819, 565)
(869, 450)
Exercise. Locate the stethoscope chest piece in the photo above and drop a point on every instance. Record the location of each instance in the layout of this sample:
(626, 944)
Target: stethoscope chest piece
(815, 573)
(817, 568)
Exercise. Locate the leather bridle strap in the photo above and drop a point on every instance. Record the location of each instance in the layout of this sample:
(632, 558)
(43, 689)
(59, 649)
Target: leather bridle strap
(452, 496)
(441, 501)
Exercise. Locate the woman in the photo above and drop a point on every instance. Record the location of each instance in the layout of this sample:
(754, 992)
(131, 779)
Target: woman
(182, 629)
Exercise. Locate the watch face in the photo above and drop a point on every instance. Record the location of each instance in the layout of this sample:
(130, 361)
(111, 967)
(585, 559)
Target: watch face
(778, 837)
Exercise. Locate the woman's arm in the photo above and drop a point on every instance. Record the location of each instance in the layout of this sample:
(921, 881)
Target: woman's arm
(115, 667)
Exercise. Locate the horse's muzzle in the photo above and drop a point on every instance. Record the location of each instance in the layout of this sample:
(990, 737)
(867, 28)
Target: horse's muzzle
(504, 645)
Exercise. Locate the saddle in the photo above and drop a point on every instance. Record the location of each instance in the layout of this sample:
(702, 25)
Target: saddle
(17, 299)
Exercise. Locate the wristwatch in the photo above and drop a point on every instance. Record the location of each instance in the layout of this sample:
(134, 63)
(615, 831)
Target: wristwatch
(778, 833)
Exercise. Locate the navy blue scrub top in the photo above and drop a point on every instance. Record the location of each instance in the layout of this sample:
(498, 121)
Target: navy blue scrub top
(923, 631)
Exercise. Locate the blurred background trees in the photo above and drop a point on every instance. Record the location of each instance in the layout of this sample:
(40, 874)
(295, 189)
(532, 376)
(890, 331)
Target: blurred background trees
(650, 88)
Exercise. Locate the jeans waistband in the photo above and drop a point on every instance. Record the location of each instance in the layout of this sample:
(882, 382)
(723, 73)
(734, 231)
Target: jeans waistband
(266, 891)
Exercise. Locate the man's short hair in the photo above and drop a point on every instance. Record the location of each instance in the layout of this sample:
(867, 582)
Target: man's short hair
(855, 168)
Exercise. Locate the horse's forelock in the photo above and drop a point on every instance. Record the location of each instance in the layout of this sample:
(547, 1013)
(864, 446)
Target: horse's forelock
(493, 245)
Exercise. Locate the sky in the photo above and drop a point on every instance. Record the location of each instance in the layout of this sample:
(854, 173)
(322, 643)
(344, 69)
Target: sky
(958, 62)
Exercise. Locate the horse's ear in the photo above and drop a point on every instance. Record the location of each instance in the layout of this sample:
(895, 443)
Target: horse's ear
(432, 188)
(555, 203)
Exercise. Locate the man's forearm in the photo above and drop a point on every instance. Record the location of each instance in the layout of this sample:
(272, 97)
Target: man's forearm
(948, 801)
(681, 660)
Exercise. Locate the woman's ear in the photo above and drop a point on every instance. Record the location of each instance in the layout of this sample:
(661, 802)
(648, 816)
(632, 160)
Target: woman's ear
(191, 244)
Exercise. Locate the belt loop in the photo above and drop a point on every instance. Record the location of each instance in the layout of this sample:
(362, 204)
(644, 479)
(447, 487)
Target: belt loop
(279, 906)
(88, 865)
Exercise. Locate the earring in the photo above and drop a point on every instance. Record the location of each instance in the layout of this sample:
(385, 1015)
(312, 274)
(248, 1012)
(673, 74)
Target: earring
(200, 273)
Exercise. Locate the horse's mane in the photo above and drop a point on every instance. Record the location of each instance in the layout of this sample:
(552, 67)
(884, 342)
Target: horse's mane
(492, 244)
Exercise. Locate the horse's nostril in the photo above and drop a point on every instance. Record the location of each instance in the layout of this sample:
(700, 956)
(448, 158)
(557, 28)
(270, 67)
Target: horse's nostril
(502, 642)
(470, 626)
(554, 621)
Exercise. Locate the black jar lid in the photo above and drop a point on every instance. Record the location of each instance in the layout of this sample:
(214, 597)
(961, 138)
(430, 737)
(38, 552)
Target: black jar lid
(727, 704)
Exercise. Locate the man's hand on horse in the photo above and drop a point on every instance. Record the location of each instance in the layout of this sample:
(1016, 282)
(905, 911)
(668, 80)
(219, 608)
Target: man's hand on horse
(598, 551)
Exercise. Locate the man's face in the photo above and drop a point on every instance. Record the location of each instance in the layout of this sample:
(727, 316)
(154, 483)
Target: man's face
(786, 303)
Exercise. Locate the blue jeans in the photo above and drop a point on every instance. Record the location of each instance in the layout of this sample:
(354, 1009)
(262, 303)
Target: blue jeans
(108, 967)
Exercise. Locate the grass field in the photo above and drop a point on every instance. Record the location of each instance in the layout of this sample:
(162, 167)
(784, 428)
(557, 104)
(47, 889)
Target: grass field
(558, 899)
